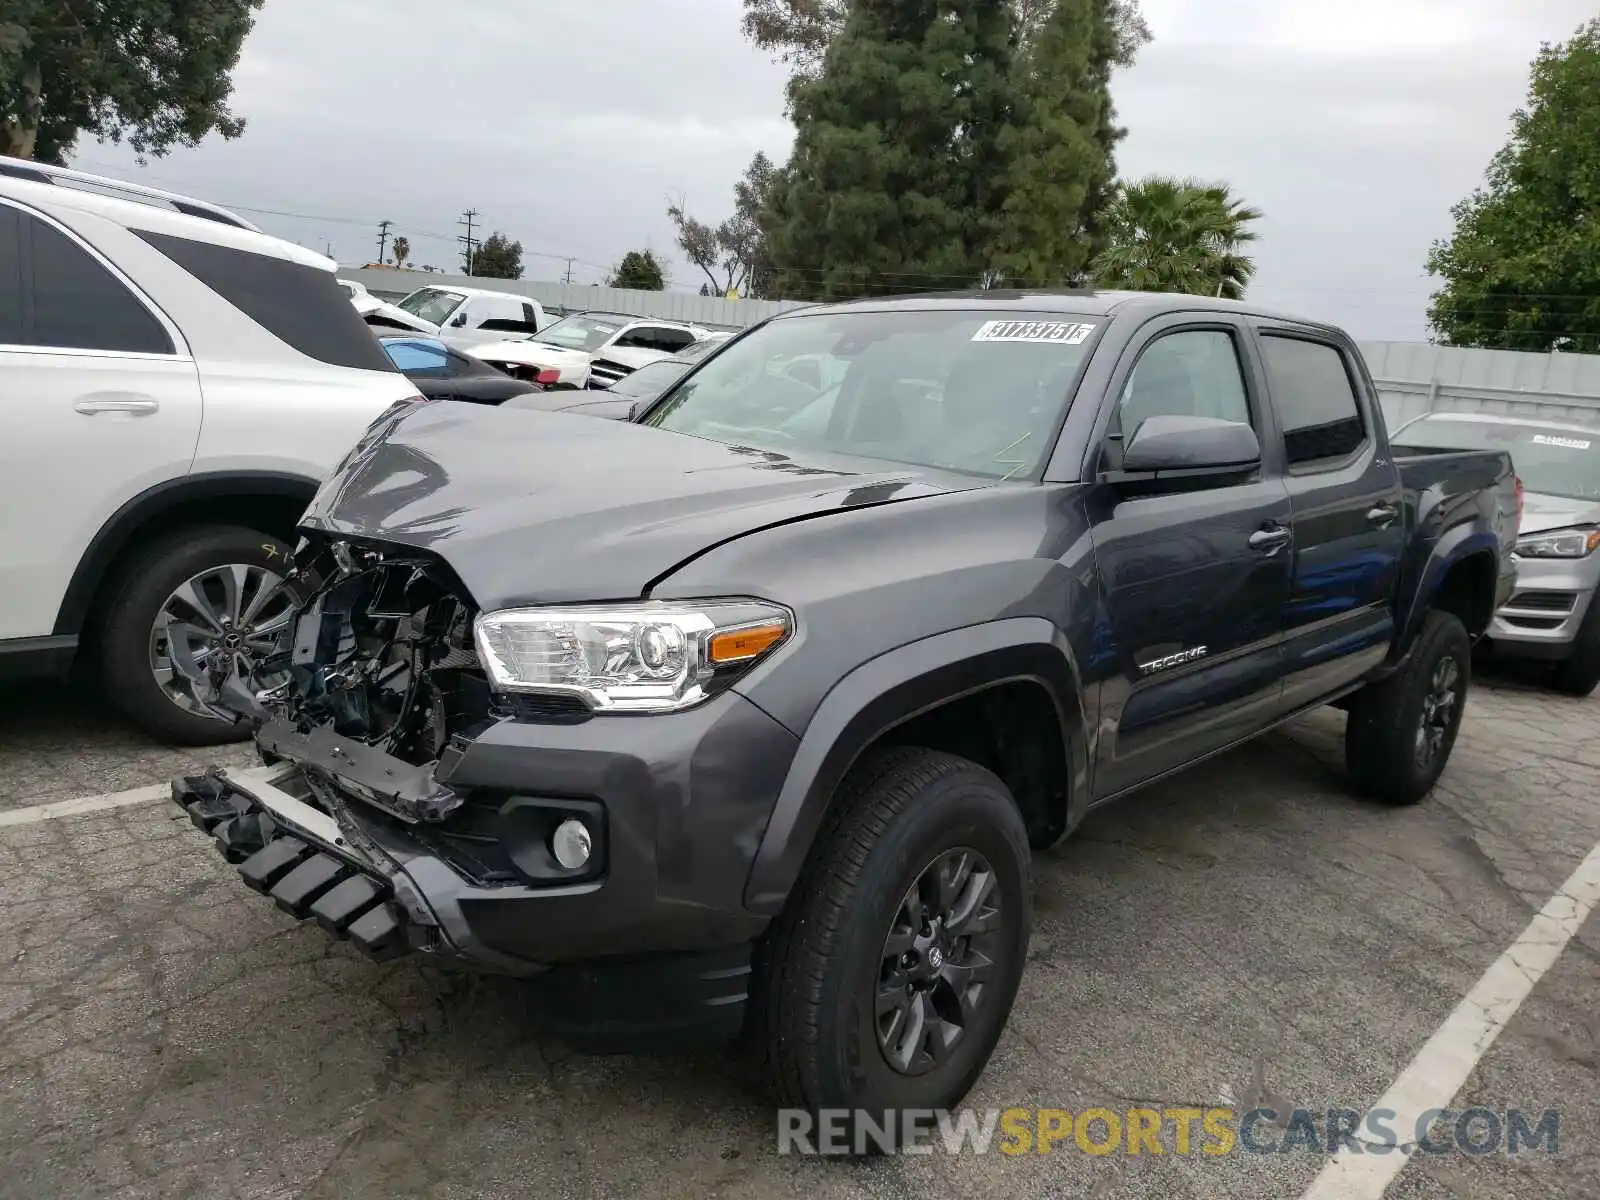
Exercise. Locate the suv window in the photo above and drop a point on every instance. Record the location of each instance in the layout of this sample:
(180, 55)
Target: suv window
(79, 305)
(419, 358)
(1194, 373)
(10, 278)
(1315, 399)
(642, 337)
(299, 305)
(673, 339)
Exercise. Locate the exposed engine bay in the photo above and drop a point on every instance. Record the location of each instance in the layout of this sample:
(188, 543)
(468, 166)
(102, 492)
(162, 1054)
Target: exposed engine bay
(378, 665)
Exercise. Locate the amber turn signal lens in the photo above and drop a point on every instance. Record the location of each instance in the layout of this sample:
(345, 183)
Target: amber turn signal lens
(740, 645)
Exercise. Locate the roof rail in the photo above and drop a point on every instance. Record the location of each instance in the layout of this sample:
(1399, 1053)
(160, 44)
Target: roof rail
(34, 172)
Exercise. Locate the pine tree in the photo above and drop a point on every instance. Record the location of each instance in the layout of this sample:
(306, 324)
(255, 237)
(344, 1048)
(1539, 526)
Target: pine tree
(897, 180)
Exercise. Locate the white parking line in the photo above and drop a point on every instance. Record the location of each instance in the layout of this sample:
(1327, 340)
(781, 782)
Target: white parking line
(83, 804)
(1441, 1067)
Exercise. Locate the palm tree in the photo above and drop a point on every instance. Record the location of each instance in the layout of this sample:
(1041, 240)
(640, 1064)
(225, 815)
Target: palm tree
(1177, 235)
(402, 251)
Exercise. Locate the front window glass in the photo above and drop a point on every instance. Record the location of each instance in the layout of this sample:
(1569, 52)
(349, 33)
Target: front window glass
(975, 391)
(1549, 461)
(582, 332)
(433, 305)
(651, 379)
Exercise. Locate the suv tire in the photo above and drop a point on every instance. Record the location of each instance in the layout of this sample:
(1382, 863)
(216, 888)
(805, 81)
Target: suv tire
(136, 599)
(903, 825)
(1402, 729)
(1579, 673)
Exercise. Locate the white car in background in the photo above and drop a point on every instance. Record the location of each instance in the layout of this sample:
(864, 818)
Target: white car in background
(589, 349)
(174, 386)
(461, 316)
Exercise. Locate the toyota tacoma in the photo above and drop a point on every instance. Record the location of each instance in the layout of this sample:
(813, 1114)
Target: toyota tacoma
(747, 713)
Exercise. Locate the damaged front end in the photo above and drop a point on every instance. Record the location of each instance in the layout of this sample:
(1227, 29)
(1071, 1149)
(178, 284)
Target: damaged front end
(360, 715)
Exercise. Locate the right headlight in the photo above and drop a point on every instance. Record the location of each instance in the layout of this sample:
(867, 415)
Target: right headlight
(647, 657)
(1559, 543)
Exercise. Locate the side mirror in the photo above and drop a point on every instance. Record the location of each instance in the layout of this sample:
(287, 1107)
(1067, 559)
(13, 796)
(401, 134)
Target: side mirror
(458, 321)
(1172, 443)
(637, 407)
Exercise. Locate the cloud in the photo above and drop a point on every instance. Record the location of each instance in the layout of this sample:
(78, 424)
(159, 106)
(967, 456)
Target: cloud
(1355, 125)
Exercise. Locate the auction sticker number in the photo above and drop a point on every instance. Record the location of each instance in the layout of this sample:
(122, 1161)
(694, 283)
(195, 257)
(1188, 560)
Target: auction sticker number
(1065, 333)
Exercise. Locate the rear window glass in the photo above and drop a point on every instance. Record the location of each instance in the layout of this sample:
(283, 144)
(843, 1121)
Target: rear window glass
(299, 305)
(1315, 400)
(10, 278)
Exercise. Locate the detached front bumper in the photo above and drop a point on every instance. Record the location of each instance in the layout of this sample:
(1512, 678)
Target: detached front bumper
(656, 942)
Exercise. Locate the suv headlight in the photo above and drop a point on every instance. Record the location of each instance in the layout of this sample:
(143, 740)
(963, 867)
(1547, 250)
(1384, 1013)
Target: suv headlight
(649, 657)
(1560, 543)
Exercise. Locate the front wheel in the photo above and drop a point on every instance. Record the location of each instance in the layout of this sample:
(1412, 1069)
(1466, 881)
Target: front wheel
(1579, 673)
(887, 981)
(1402, 729)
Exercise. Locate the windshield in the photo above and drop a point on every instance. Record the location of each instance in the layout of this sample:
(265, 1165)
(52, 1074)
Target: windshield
(960, 389)
(431, 304)
(586, 333)
(651, 379)
(1550, 461)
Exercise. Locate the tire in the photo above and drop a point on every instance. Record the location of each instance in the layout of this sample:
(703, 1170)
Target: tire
(898, 815)
(1382, 741)
(1579, 673)
(137, 598)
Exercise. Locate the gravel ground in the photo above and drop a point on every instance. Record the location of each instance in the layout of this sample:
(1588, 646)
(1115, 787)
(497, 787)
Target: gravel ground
(1247, 932)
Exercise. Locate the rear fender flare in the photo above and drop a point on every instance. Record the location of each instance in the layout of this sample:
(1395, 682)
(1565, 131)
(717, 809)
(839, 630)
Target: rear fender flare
(148, 506)
(890, 690)
(1453, 547)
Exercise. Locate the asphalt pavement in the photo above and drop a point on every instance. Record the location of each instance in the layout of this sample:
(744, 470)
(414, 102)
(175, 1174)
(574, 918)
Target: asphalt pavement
(1247, 935)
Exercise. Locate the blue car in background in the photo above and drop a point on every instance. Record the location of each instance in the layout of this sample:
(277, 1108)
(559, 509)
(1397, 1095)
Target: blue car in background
(442, 372)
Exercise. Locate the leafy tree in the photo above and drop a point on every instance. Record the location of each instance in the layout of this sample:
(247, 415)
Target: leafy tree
(1522, 271)
(733, 255)
(1177, 235)
(799, 32)
(1058, 150)
(402, 251)
(639, 270)
(496, 257)
(155, 71)
(896, 179)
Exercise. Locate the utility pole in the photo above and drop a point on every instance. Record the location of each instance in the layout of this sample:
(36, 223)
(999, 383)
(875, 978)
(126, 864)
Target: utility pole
(568, 279)
(467, 218)
(383, 238)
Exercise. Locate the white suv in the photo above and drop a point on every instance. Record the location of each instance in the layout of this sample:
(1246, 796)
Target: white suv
(174, 384)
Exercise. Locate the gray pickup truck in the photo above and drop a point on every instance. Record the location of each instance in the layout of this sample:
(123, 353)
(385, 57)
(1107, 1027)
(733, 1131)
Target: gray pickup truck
(748, 712)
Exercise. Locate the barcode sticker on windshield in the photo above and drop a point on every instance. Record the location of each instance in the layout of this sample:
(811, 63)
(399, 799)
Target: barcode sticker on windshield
(1066, 333)
(1540, 439)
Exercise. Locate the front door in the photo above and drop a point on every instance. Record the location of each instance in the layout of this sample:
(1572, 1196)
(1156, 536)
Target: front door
(1193, 582)
(98, 401)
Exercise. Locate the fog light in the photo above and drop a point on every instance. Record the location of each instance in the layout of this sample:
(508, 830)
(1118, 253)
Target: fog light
(570, 844)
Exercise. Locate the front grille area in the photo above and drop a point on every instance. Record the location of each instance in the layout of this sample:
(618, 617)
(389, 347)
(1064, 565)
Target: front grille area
(606, 371)
(1554, 602)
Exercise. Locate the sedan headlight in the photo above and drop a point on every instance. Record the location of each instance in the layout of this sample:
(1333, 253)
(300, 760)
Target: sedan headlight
(646, 657)
(1559, 543)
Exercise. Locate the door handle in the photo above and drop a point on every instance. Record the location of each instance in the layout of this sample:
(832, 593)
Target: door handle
(137, 406)
(1382, 515)
(1270, 541)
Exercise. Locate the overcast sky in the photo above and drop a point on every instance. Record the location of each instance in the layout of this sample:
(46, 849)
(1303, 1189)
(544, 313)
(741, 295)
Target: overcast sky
(1354, 124)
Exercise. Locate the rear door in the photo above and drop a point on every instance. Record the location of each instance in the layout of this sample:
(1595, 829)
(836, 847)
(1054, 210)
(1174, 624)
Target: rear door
(1193, 576)
(99, 400)
(1349, 531)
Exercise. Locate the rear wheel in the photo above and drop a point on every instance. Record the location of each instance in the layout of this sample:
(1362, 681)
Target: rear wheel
(1402, 729)
(1579, 673)
(211, 597)
(886, 983)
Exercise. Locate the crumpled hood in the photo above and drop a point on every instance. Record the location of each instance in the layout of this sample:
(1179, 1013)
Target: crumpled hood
(1541, 512)
(530, 507)
(529, 353)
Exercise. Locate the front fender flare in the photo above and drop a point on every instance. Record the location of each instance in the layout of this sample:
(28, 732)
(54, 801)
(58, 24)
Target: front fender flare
(890, 690)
